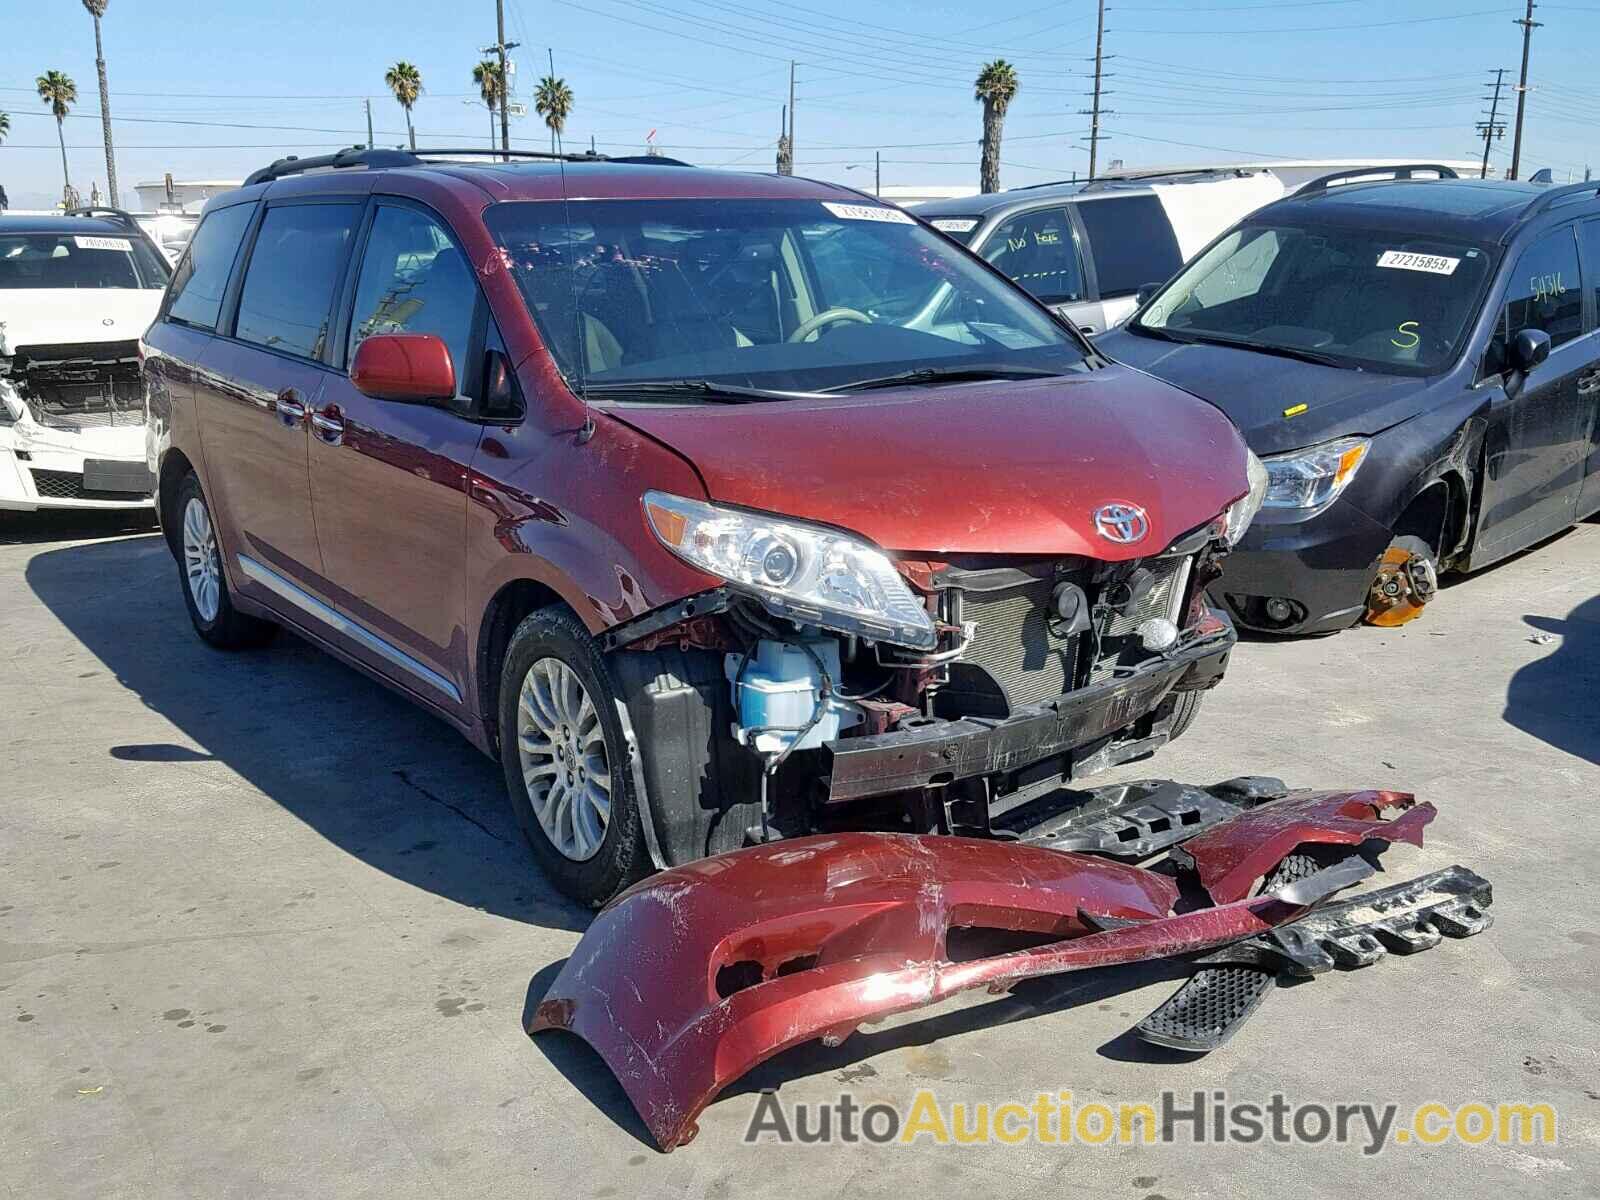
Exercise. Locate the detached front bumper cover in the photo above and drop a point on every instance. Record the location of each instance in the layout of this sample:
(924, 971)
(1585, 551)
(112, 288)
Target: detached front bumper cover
(692, 977)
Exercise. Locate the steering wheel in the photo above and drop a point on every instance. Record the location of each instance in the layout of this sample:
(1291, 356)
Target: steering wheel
(827, 316)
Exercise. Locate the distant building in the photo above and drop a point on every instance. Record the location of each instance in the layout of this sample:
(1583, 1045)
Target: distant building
(187, 195)
(908, 195)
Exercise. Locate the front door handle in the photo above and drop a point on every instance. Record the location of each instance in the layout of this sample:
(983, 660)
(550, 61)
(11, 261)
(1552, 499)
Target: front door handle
(289, 406)
(329, 425)
(1589, 384)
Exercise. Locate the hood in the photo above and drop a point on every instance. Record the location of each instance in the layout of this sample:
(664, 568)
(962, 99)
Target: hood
(64, 316)
(985, 468)
(1254, 389)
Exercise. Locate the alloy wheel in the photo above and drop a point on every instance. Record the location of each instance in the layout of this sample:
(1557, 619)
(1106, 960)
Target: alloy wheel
(562, 748)
(201, 564)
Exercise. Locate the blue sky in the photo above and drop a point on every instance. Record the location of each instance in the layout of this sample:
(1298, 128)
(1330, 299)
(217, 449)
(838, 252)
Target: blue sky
(213, 90)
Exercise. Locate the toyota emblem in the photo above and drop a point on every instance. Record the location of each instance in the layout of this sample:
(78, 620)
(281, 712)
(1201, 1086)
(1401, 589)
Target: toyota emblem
(1121, 523)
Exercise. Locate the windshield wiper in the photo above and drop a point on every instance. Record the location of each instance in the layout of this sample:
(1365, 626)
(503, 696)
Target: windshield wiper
(1211, 339)
(699, 389)
(945, 375)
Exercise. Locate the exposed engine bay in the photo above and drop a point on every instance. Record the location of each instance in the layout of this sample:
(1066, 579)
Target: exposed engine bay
(74, 387)
(1038, 671)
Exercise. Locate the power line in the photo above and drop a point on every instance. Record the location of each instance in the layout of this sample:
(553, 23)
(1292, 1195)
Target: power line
(1484, 12)
(1490, 128)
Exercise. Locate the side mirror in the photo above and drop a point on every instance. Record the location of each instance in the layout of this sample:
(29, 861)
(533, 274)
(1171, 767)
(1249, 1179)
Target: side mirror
(1145, 292)
(413, 368)
(1529, 348)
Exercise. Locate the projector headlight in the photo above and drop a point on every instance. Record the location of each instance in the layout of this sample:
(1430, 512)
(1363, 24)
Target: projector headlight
(1314, 478)
(804, 573)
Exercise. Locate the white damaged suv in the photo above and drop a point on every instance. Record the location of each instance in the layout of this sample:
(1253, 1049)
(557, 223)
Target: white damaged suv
(77, 292)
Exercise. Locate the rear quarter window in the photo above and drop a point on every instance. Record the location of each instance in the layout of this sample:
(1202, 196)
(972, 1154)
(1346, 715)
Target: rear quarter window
(195, 297)
(1132, 243)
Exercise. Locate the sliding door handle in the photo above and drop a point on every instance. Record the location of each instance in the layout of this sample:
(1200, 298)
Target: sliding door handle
(289, 406)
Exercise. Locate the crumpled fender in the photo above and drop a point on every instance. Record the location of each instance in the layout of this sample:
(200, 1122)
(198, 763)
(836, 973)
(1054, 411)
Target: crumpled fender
(1230, 857)
(692, 977)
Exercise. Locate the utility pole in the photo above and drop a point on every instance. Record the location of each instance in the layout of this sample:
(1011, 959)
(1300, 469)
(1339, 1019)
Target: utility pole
(499, 48)
(1099, 58)
(1491, 128)
(877, 173)
(1528, 26)
(369, 124)
(791, 116)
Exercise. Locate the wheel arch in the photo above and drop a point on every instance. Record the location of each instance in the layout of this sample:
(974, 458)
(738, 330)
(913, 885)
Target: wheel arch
(175, 465)
(506, 610)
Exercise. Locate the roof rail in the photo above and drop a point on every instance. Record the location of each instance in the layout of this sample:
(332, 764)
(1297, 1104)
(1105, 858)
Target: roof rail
(373, 159)
(1545, 201)
(1376, 175)
(125, 218)
(100, 210)
(1145, 178)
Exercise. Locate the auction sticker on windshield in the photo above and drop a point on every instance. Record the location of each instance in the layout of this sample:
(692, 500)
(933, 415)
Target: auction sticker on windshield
(867, 212)
(1405, 260)
(102, 243)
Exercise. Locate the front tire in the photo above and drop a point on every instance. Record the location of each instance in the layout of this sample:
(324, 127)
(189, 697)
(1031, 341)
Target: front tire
(205, 585)
(567, 766)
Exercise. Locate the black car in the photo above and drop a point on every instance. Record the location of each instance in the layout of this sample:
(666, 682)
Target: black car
(1417, 366)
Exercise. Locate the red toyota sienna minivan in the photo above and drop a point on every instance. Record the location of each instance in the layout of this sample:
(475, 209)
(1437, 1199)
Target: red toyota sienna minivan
(717, 507)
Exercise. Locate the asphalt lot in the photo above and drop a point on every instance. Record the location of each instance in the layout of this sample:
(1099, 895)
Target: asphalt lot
(266, 930)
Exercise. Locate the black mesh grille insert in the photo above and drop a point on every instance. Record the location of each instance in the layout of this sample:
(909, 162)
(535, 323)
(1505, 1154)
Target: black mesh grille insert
(68, 485)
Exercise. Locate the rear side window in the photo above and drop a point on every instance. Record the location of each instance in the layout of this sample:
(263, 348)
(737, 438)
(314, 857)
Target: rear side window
(1132, 243)
(1589, 231)
(202, 277)
(1038, 251)
(415, 280)
(287, 300)
(1544, 292)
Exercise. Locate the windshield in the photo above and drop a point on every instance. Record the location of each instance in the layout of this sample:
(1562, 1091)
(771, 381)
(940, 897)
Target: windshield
(793, 295)
(1362, 298)
(78, 260)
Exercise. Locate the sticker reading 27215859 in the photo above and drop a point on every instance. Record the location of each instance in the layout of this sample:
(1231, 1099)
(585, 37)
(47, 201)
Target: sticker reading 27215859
(1405, 260)
(867, 212)
(85, 242)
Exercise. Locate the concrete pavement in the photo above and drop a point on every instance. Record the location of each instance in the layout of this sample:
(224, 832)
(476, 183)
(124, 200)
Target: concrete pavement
(267, 930)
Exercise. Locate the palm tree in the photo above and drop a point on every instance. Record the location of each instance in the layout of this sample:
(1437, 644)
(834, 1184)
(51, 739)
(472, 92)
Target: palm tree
(405, 81)
(97, 9)
(553, 101)
(996, 87)
(491, 87)
(5, 125)
(58, 91)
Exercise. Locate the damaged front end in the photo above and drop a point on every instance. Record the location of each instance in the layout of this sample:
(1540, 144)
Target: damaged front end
(694, 976)
(72, 426)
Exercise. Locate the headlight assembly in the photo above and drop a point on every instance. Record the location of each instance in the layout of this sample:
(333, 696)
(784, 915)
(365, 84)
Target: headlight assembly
(804, 573)
(1313, 478)
(1242, 511)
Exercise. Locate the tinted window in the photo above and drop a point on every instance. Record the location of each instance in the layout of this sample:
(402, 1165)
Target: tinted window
(288, 287)
(1590, 232)
(1132, 243)
(1544, 292)
(1038, 251)
(78, 260)
(788, 294)
(202, 277)
(414, 279)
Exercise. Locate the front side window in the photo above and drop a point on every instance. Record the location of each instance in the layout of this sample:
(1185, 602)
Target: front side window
(414, 279)
(36, 261)
(1544, 291)
(287, 299)
(1351, 297)
(202, 276)
(1038, 251)
(776, 294)
(1132, 243)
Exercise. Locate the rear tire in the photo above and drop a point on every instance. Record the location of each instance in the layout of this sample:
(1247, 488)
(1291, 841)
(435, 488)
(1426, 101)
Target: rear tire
(204, 583)
(568, 771)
